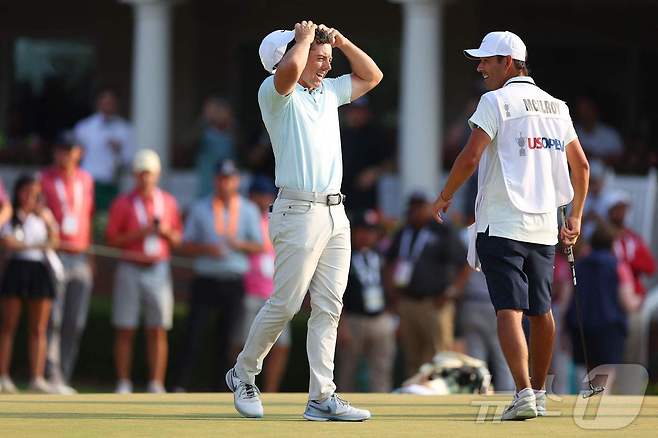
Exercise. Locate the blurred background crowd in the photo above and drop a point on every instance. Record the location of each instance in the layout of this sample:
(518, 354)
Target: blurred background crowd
(135, 244)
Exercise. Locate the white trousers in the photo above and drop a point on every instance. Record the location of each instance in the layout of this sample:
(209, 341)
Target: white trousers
(312, 245)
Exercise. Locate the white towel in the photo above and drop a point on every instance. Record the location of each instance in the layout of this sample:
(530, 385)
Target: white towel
(472, 255)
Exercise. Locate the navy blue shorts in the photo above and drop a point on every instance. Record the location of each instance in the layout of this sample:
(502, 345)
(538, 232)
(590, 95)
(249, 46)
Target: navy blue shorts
(519, 274)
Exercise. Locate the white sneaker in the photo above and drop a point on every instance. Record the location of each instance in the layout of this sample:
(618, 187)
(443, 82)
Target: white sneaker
(334, 408)
(7, 386)
(155, 387)
(523, 407)
(124, 386)
(246, 397)
(540, 397)
(62, 388)
(39, 385)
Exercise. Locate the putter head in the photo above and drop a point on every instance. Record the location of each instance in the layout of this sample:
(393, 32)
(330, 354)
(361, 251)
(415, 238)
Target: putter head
(593, 390)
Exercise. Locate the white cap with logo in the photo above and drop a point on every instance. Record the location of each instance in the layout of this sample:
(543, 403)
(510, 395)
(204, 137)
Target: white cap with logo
(273, 47)
(146, 160)
(499, 43)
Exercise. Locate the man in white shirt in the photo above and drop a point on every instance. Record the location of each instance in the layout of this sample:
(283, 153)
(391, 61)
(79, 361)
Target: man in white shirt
(108, 145)
(308, 226)
(524, 142)
(598, 139)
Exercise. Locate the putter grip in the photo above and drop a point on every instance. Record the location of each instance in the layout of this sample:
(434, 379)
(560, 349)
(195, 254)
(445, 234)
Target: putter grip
(569, 249)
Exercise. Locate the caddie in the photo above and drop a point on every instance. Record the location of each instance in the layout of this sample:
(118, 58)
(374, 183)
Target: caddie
(524, 143)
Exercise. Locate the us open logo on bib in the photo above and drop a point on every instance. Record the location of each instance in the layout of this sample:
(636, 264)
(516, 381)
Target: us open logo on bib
(520, 141)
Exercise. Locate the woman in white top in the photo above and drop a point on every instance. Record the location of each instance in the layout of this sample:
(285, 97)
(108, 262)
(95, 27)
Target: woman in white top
(31, 231)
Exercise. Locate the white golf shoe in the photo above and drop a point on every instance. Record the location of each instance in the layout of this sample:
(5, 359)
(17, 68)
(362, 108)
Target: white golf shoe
(523, 407)
(246, 397)
(334, 408)
(540, 397)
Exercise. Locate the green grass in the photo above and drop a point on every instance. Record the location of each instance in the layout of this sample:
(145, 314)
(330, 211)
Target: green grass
(184, 415)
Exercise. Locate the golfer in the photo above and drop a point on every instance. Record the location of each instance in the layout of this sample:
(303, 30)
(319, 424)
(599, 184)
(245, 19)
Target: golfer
(308, 226)
(524, 142)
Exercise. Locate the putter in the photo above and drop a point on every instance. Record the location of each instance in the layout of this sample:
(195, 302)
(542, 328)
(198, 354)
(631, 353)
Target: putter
(593, 390)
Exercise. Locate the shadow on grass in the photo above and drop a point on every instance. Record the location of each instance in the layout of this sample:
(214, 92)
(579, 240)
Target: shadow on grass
(42, 401)
(209, 417)
(126, 416)
(121, 402)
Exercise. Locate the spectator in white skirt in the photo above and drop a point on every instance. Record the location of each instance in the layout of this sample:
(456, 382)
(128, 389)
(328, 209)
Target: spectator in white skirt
(29, 235)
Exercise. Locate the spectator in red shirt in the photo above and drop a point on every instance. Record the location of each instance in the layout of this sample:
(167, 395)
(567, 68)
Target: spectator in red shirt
(146, 225)
(629, 247)
(69, 194)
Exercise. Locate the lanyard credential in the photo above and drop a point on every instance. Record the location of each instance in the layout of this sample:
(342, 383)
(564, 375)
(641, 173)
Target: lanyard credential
(140, 210)
(367, 268)
(409, 253)
(233, 213)
(70, 210)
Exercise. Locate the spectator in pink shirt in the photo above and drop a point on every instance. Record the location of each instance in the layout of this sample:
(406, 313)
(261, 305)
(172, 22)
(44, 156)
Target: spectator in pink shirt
(259, 285)
(69, 194)
(5, 206)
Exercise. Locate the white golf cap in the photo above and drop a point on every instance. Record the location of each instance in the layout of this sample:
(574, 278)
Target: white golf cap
(146, 160)
(616, 197)
(273, 47)
(499, 43)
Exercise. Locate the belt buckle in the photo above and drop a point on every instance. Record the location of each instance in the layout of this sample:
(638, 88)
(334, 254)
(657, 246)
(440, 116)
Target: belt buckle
(334, 199)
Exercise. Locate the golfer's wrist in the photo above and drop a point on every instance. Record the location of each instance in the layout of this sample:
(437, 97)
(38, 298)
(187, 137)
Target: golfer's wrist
(444, 197)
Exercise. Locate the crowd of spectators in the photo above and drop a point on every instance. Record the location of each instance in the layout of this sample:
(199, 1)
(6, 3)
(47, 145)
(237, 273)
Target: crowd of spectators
(410, 292)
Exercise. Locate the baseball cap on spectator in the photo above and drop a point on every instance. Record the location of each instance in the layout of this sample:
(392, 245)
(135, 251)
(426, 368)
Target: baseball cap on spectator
(263, 185)
(226, 167)
(499, 43)
(365, 219)
(146, 160)
(615, 198)
(273, 47)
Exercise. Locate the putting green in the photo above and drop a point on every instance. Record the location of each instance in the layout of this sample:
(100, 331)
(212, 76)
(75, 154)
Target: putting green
(183, 415)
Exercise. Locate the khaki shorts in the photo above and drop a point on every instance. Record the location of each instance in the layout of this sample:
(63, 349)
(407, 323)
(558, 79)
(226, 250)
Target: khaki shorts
(147, 287)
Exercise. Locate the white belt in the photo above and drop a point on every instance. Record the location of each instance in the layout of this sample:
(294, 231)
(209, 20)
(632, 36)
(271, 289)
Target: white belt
(320, 198)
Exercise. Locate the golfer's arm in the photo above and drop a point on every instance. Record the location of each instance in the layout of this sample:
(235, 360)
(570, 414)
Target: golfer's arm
(579, 177)
(290, 68)
(365, 73)
(466, 163)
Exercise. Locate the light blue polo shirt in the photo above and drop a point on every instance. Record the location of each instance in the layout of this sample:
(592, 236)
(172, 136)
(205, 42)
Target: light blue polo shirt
(304, 131)
(200, 228)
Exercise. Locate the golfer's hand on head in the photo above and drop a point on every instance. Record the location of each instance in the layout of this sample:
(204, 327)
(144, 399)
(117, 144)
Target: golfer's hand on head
(337, 39)
(305, 32)
(440, 206)
(570, 231)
